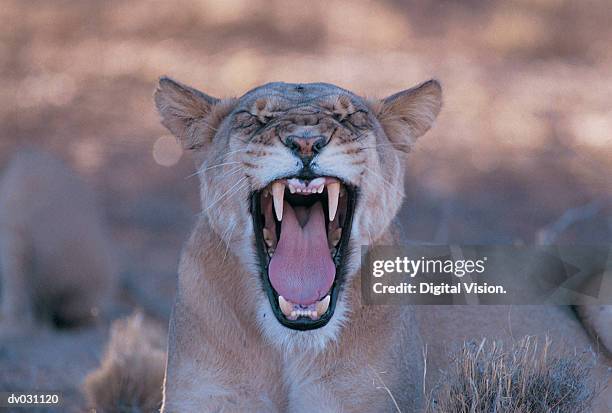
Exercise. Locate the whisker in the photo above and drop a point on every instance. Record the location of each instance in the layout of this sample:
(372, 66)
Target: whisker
(230, 172)
(239, 182)
(227, 242)
(218, 165)
(377, 175)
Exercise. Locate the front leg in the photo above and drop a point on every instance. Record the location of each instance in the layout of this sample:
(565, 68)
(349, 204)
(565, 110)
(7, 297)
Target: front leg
(381, 380)
(354, 387)
(213, 368)
(313, 397)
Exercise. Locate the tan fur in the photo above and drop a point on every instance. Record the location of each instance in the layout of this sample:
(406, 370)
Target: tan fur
(131, 374)
(55, 255)
(227, 352)
(598, 318)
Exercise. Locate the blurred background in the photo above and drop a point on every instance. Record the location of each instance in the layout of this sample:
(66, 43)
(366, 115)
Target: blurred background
(521, 153)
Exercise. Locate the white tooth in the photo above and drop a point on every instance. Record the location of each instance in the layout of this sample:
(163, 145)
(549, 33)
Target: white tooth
(293, 314)
(285, 306)
(278, 193)
(267, 236)
(292, 189)
(335, 236)
(321, 188)
(333, 191)
(314, 315)
(317, 182)
(322, 306)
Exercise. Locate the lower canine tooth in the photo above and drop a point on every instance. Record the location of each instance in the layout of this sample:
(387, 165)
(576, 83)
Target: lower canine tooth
(285, 306)
(267, 236)
(322, 306)
(335, 236)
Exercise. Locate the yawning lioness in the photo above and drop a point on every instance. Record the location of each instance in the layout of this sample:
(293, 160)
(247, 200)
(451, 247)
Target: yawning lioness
(268, 314)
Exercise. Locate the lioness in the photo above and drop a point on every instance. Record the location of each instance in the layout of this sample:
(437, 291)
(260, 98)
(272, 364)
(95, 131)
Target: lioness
(268, 315)
(57, 264)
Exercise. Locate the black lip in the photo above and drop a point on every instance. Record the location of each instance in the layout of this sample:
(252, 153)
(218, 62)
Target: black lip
(340, 259)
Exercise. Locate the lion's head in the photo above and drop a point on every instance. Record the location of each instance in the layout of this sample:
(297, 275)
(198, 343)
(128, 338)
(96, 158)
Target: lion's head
(295, 178)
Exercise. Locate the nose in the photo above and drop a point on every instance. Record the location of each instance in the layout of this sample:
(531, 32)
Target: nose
(305, 147)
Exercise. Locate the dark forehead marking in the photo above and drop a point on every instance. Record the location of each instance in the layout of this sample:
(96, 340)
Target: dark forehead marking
(296, 94)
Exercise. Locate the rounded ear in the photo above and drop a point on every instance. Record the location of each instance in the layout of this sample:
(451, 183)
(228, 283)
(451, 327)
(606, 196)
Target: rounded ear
(407, 115)
(183, 111)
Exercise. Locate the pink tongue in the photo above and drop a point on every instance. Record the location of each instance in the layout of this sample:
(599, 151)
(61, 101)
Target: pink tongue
(301, 269)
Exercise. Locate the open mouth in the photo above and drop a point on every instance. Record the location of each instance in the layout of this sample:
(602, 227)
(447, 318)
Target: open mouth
(302, 228)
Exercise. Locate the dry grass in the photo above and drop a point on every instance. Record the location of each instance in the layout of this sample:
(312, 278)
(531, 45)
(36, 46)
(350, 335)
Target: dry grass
(487, 377)
(130, 377)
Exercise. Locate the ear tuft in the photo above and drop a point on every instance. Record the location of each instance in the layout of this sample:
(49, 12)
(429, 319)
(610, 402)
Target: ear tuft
(182, 110)
(407, 115)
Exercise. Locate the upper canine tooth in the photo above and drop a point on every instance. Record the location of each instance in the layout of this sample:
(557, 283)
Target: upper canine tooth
(285, 306)
(278, 193)
(322, 306)
(333, 191)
